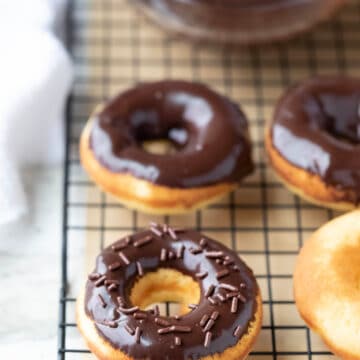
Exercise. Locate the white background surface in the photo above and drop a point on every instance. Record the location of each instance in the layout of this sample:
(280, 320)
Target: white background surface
(30, 271)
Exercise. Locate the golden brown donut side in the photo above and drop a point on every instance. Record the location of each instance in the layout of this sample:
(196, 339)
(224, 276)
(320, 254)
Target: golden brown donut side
(143, 195)
(327, 284)
(304, 184)
(104, 351)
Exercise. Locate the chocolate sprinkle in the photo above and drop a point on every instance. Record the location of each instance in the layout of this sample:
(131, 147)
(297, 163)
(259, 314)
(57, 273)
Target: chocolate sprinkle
(124, 258)
(222, 273)
(100, 281)
(174, 328)
(209, 291)
(114, 266)
(129, 329)
(109, 282)
(182, 329)
(172, 233)
(180, 252)
(230, 295)
(203, 242)
(112, 287)
(208, 337)
(140, 315)
(146, 240)
(162, 322)
(137, 335)
(242, 298)
(94, 276)
(214, 254)
(156, 310)
(166, 330)
(192, 306)
(103, 303)
(139, 268)
(228, 287)
(215, 315)
(156, 231)
(234, 305)
(201, 275)
(212, 301)
(112, 324)
(221, 297)
(120, 301)
(237, 331)
(128, 310)
(209, 325)
(119, 246)
(204, 320)
(163, 254)
(195, 251)
(228, 262)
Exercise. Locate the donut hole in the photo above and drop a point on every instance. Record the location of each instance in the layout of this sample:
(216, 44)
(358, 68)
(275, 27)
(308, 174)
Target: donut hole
(160, 147)
(166, 285)
(162, 141)
(170, 142)
(349, 134)
(340, 118)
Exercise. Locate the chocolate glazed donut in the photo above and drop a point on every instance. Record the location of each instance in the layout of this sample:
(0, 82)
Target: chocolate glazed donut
(225, 319)
(314, 141)
(208, 131)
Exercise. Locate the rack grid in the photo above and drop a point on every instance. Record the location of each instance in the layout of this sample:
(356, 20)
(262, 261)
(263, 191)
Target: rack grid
(113, 48)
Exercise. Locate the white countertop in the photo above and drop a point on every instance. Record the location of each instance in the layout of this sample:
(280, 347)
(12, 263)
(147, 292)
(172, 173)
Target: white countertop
(29, 271)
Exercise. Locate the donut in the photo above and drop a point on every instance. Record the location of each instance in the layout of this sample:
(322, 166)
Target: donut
(220, 300)
(211, 150)
(313, 141)
(327, 284)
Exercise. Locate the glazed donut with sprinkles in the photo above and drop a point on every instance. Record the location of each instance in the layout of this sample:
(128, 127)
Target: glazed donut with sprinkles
(221, 308)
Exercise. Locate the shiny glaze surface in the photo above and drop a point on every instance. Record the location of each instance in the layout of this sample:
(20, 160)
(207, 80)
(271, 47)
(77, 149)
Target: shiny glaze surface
(208, 131)
(156, 346)
(316, 127)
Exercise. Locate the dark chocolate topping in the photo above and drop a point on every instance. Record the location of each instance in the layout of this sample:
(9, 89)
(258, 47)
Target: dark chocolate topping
(210, 327)
(316, 127)
(208, 131)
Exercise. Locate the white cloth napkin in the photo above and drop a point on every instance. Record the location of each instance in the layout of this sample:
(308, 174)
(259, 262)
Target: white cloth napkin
(35, 78)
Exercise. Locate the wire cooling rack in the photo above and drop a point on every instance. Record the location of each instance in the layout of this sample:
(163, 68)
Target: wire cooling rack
(113, 48)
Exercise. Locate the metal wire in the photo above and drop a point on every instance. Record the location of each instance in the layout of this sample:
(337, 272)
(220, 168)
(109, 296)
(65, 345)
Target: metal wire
(112, 50)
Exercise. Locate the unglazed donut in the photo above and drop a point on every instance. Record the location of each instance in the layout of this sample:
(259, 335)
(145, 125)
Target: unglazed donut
(327, 284)
(209, 132)
(220, 293)
(313, 141)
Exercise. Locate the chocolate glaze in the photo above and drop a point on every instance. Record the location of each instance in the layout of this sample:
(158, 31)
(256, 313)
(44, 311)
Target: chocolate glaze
(209, 132)
(194, 263)
(316, 127)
